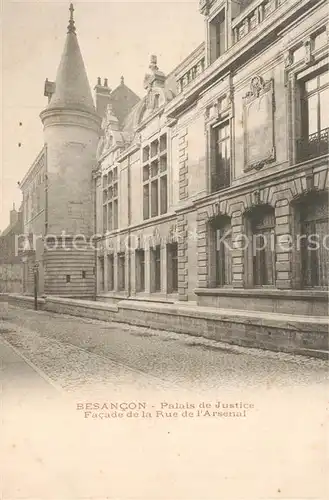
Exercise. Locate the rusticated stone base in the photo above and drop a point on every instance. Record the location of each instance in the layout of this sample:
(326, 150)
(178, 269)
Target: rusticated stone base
(307, 335)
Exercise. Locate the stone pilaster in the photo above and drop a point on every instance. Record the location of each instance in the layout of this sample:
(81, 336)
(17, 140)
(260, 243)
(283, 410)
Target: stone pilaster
(105, 273)
(182, 257)
(147, 269)
(164, 275)
(183, 164)
(283, 244)
(238, 243)
(133, 275)
(116, 271)
(203, 249)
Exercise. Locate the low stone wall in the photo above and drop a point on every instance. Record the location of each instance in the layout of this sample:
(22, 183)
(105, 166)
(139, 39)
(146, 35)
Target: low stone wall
(25, 301)
(82, 308)
(3, 306)
(299, 334)
(11, 278)
(301, 302)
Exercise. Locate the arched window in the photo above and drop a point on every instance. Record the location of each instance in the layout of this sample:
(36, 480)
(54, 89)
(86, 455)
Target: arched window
(221, 269)
(263, 245)
(314, 229)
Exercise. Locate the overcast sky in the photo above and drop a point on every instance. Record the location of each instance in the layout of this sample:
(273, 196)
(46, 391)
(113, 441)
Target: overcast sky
(116, 38)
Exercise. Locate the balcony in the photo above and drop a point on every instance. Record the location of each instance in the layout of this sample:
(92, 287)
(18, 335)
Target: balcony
(191, 74)
(314, 145)
(252, 16)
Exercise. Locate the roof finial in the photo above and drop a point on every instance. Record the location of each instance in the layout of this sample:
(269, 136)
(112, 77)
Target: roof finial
(71, 26)
(153, 63)
(122, 80)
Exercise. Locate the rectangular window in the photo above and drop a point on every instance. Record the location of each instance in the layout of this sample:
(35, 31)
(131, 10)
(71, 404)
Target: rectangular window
(112, 199)
(315, 117)
(314, 251)
(140, 270)
(223, 256)
(68, 278)
(101, 274)
(83, 275)
(172, 267)
(104, 218)
(146, 202)
(155, 269)
(121, 271)
(115, 214)
(163, 195)
(110, 272)
(263, 225)
(154, 198)
(217, 34)
(155, 178)
(221, 157)
(320, 40)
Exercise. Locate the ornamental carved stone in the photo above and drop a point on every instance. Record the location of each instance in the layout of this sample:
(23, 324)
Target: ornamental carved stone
(258, 124)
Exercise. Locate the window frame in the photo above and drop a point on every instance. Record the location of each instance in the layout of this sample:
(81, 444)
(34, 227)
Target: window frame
(213, 52)
(155, 173)
(155, 269)
(224, 122)
(110, 182)
(121, 260)
(315, 261)
(140, 270)
(262, 229)
(217, 278)
(172, 267)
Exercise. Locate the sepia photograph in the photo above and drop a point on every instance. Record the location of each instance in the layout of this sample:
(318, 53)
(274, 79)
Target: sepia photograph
(164, 250)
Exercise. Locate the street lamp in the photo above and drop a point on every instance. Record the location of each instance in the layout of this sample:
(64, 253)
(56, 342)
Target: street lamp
(36, 276)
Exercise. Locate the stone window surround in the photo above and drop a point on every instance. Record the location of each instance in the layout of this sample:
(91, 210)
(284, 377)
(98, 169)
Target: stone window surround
(113, 184)
(283, 200)
(212, 122)
(161, 154)
(294, 73)
(130, 267)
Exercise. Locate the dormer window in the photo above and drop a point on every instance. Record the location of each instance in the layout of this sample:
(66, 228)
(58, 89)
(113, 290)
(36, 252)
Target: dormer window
(217, 36)
(156, 101)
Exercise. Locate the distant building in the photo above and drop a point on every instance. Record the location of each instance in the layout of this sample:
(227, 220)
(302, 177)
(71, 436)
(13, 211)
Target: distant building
(10, 262)
(179, 190)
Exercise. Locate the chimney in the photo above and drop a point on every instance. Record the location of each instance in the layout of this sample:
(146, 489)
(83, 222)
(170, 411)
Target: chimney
(49, 89)
(102, 96)
(13, 215)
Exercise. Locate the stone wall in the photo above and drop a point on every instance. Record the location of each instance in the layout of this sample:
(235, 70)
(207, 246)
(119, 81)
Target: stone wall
(277, 332)
(11, 278)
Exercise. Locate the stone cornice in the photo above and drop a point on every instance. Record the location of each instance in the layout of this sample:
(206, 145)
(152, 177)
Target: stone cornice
(265, 181)
(64, 116)
(33, 169)
(245, 47)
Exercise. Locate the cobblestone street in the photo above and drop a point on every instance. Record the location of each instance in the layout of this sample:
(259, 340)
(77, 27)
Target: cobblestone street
(57, 367)
(77, 353)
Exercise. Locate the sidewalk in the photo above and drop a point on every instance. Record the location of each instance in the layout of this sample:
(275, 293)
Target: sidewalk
(20, 380)
(32, 432)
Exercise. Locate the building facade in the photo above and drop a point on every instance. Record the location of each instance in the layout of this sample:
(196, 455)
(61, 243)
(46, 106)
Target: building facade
(214, 186)
(10, 262)
(211, 189)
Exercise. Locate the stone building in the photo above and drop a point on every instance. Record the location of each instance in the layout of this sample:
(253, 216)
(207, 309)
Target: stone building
(211, 187)
(207, 190)
(10, 266)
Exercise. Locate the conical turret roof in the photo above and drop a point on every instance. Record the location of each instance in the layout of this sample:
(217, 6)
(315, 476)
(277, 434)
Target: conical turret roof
(72, 90)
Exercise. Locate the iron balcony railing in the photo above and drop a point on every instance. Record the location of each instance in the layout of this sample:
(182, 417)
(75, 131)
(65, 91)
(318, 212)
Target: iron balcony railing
(314, 145)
